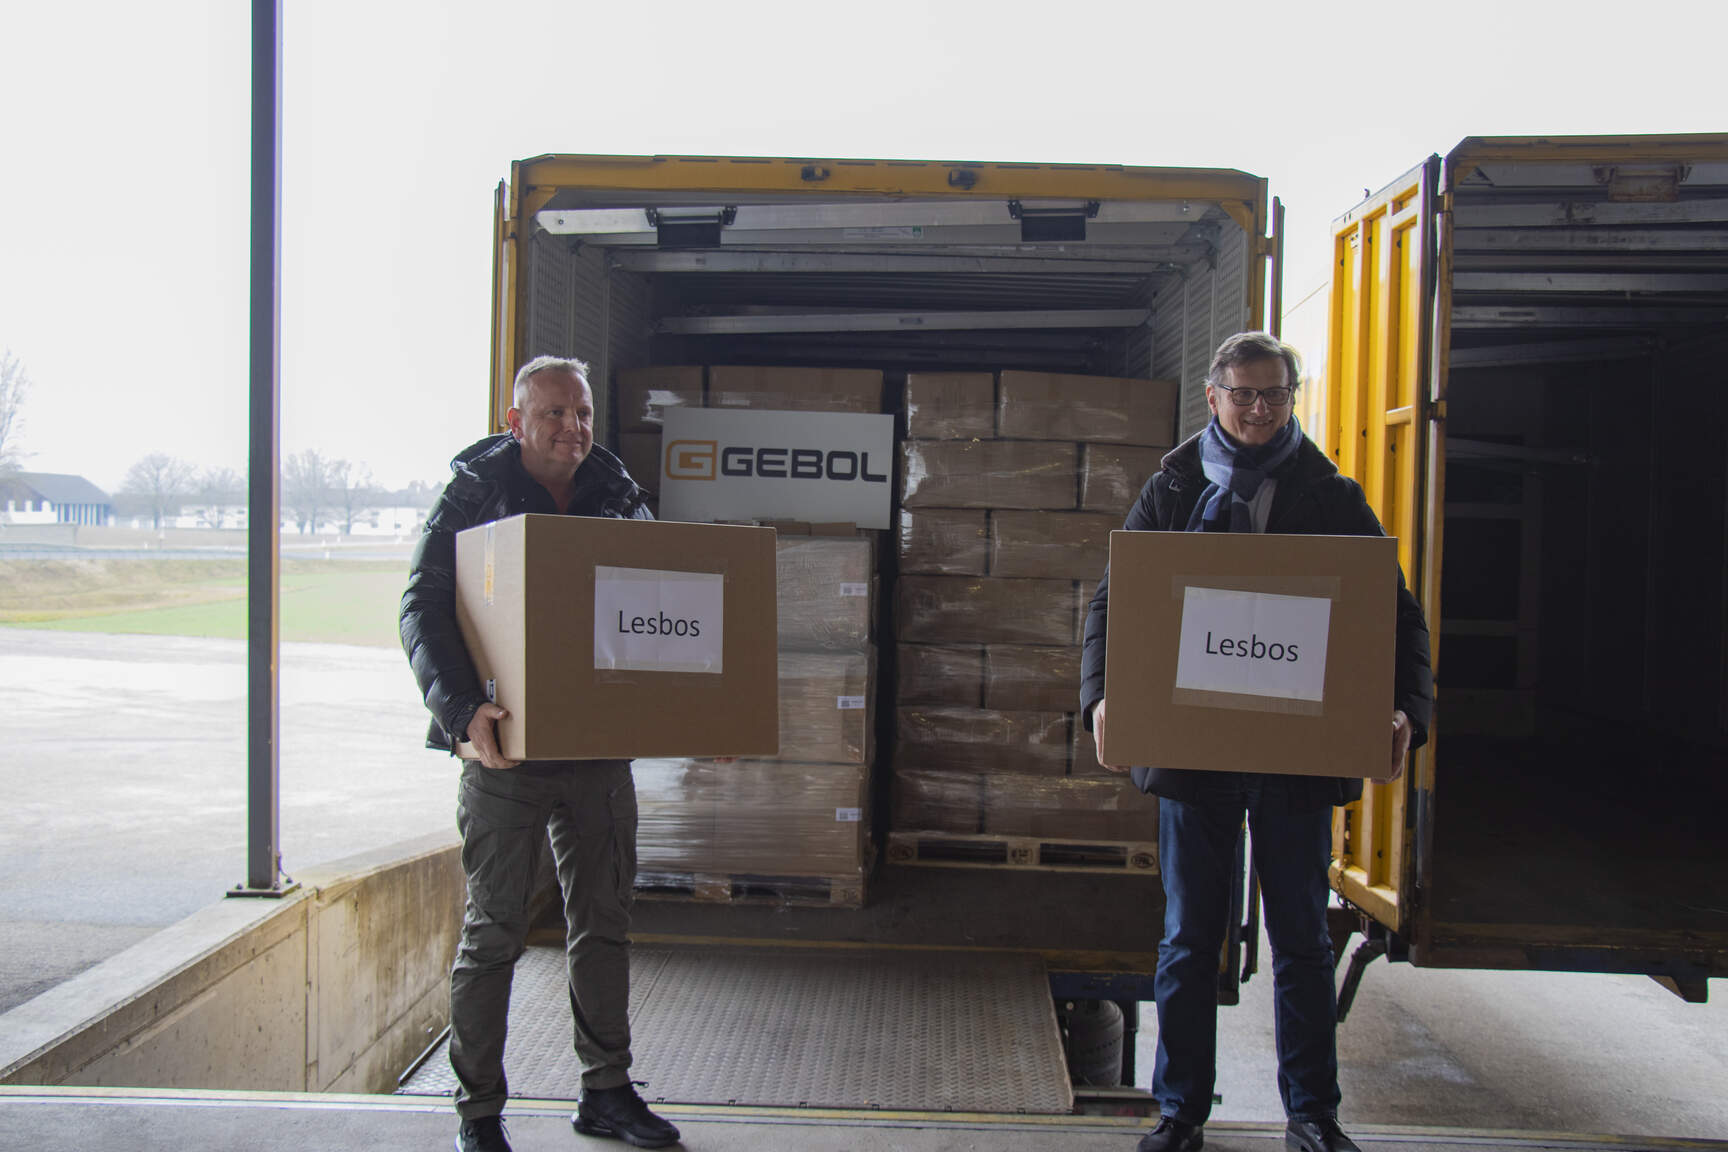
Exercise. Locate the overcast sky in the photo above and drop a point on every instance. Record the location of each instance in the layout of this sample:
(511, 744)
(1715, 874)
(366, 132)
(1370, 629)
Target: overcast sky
(124, 152)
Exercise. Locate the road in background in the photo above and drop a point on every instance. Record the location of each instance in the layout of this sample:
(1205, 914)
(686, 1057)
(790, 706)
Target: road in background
(125, 782)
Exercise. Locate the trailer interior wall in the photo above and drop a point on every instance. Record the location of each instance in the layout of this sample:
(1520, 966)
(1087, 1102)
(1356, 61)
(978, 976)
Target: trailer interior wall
(1583, 699)
(592, 299)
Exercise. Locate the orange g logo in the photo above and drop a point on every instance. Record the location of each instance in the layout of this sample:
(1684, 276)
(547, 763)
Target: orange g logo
(691, 459)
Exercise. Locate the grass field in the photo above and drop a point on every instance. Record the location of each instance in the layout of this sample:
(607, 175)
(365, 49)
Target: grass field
(325, 602)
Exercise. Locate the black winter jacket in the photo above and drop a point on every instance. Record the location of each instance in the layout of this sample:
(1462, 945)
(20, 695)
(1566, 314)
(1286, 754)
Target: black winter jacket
(1312, 499)
(479, 492)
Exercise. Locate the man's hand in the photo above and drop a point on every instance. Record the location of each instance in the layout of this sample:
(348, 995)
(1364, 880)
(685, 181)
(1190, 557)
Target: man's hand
(483, 734)
(1400, 744)
(1098, 740)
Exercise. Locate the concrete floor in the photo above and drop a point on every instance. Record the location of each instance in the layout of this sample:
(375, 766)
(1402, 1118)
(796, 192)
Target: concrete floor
(126, 812)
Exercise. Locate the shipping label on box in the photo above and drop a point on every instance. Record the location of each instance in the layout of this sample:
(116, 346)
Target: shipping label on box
(593, 632)
(822, 467)
(1251, 653)
(826, 586)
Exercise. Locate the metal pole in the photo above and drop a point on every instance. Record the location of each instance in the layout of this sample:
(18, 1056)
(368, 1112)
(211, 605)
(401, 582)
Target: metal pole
(263, 823)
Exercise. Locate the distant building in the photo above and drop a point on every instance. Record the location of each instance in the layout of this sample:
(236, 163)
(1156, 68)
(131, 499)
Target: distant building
(53, 498)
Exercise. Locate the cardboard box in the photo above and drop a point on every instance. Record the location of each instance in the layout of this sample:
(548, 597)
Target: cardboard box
(753, 817)
(644, 394)
(622, 638)
(827, 707)
(826, 593)
(980, 740)
(1027, 677)
(988, 474)
(986, 610)
(944, 541)
(1050, 406)
(1112, 475)
(1051, 545)
(1069, 808)
(1248, 653)
(941, 674)
(951, 405)
(795, 389)
(939, 802)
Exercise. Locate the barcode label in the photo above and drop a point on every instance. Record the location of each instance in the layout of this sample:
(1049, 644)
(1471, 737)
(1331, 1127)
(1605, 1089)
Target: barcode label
(848, 815)
(849, 702)
(854, 589)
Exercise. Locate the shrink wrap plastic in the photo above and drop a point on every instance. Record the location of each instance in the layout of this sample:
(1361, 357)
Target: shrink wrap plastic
(1112, 475)
(824, 588)
(1004, 804)
(826, 711)
(1018, 676)
(1051, 545)
(1049, 406)
(981, 740)
(941, 674)
(795, 389)
(944, 541)
(987, 610)
(644, 394)
(767, 818)
(951, 405)
(988, 474)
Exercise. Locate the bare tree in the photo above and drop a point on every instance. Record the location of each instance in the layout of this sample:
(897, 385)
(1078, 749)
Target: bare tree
(14, 387)
(306, 489)
(220, 491)
(353, 493)
(159, 482)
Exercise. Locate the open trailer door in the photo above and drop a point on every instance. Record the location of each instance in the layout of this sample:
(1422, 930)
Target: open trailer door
(1383, 427)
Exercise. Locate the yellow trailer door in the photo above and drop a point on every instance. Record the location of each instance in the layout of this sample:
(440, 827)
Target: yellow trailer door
(1382, 417)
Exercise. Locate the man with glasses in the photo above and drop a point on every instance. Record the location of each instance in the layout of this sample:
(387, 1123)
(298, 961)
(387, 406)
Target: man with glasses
(1251, 470)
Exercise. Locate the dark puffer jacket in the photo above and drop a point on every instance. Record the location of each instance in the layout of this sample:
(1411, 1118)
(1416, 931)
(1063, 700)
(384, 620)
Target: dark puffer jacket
(1312, 499)
(486, 486)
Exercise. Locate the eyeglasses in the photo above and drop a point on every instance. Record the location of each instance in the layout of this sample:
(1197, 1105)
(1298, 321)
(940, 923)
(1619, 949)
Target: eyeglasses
(1244, 397)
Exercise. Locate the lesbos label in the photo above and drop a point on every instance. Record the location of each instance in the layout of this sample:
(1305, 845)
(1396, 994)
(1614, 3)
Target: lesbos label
(651, 621)
(1253, 643)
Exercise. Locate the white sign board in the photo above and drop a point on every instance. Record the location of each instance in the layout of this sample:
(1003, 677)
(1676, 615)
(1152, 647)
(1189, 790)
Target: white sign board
(1253, 643)
(649, 621)
(821, 467)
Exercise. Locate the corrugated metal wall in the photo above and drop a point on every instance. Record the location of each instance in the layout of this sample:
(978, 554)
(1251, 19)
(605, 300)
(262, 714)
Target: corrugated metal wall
(1191, 317)
(1136, 357)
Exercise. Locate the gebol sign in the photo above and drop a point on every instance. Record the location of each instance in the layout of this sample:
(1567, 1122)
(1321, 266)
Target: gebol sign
(730, 464)
(1253, 643)
(653, 621)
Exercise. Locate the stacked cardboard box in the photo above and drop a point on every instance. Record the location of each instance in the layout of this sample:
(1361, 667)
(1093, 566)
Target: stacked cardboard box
(802, 813)
(1011, 484)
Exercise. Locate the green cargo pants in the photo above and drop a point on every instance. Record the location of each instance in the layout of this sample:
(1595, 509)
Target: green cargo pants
(589, 808)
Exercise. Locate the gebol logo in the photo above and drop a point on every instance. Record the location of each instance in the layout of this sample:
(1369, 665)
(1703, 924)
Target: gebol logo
(743, 464)
(648, 620)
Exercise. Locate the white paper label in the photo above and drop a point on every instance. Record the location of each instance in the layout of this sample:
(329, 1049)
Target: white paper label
(848, 702)
(650, 621)
(1253, 643)
(848, 815)
(854, 589)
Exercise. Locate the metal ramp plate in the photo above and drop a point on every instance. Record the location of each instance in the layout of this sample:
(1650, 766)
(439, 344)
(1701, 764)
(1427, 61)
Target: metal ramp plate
(804, 1027)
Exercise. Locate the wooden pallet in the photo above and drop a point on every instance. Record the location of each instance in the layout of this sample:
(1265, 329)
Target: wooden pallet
(953, 850)
(724, 888)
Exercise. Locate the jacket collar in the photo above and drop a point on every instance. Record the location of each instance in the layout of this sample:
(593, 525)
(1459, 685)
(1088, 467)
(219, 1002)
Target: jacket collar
(488, 461)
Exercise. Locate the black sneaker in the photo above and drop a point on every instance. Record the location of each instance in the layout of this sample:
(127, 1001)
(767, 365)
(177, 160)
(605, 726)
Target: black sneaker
(1172, 1135)
(1322, 1135)
(620, 1112)
(485, 1134)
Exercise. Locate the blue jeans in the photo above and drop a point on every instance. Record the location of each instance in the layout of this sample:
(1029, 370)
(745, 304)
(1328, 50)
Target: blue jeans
(1291, 844)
